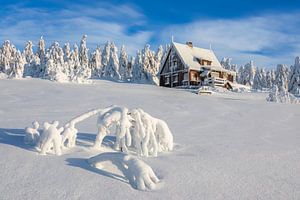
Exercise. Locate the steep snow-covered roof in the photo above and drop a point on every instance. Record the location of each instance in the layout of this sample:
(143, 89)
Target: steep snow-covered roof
(189, 56)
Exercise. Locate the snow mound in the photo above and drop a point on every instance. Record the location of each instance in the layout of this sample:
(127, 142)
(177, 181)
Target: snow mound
(139, 174)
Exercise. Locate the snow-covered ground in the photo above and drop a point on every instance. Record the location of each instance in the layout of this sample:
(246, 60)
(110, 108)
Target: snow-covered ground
(227, 146)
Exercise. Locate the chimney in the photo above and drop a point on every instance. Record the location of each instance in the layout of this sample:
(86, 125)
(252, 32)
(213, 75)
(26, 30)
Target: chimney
(190, 44)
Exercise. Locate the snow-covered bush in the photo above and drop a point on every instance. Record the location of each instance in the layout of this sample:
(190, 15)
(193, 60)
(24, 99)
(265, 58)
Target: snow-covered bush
(32, 135)
(139, 174)
(149, 135)
(51, 139)
(281, 95)
(69, 135)
(119, 117)
(152, 135)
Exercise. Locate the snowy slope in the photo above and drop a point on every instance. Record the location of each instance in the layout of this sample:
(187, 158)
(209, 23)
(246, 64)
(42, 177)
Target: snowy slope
(228, 146)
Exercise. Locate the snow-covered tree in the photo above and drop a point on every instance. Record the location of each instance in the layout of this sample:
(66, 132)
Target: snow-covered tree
(11, 61)
(105, 55)
(150, 69)
(55, 68)
(145, 68)
(7, 57)
(281, 79)
(41, 53)
(158, 57)
(137, 67)
(281, 95)
(112, 68)
(226, 63)
(96, 63)
(18, 67)
(82, 72)
(83, 53)
(294, 78)
(239, 76)
(270, 78)
(259, 81)
(123, 61)
(128, 73)
(32, 61)
(247, 75)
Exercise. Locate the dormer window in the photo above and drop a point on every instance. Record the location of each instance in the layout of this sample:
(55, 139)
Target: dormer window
(204, 62)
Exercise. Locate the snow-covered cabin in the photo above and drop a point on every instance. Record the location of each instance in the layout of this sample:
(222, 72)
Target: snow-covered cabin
(186, 65)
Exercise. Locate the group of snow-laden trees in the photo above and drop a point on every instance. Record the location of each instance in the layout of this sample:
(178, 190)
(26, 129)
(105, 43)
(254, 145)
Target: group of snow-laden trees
(64, 64)
(136, 132)
(283, 83)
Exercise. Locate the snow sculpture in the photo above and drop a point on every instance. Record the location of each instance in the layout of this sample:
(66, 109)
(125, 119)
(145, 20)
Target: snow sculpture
(69, 135)
(139, 174)
(51, 138)
(32, 134)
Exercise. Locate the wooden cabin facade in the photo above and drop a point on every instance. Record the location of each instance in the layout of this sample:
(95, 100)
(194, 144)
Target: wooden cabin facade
(186, 66)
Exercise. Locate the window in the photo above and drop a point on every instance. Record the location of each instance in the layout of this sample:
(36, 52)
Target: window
(175, 78)
(194, 76)
(203, 61)
(186, 77)
(167, 80)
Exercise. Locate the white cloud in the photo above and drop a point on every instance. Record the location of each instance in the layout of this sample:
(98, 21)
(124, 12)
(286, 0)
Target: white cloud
(101, 22)
(267, 39)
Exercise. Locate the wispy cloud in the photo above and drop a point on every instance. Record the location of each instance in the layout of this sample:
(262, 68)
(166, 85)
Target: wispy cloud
(268, 39)
(101, 22)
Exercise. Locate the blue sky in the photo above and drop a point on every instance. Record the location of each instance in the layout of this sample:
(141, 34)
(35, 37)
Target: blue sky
(267, 32)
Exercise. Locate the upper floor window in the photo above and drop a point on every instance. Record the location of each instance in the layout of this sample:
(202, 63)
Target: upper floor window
(203, 61)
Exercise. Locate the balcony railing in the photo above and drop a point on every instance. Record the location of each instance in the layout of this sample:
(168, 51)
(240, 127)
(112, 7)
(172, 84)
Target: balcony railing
(215, 81)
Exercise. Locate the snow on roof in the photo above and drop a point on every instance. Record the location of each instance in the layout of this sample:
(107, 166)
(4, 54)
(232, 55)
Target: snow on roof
(189, 56)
